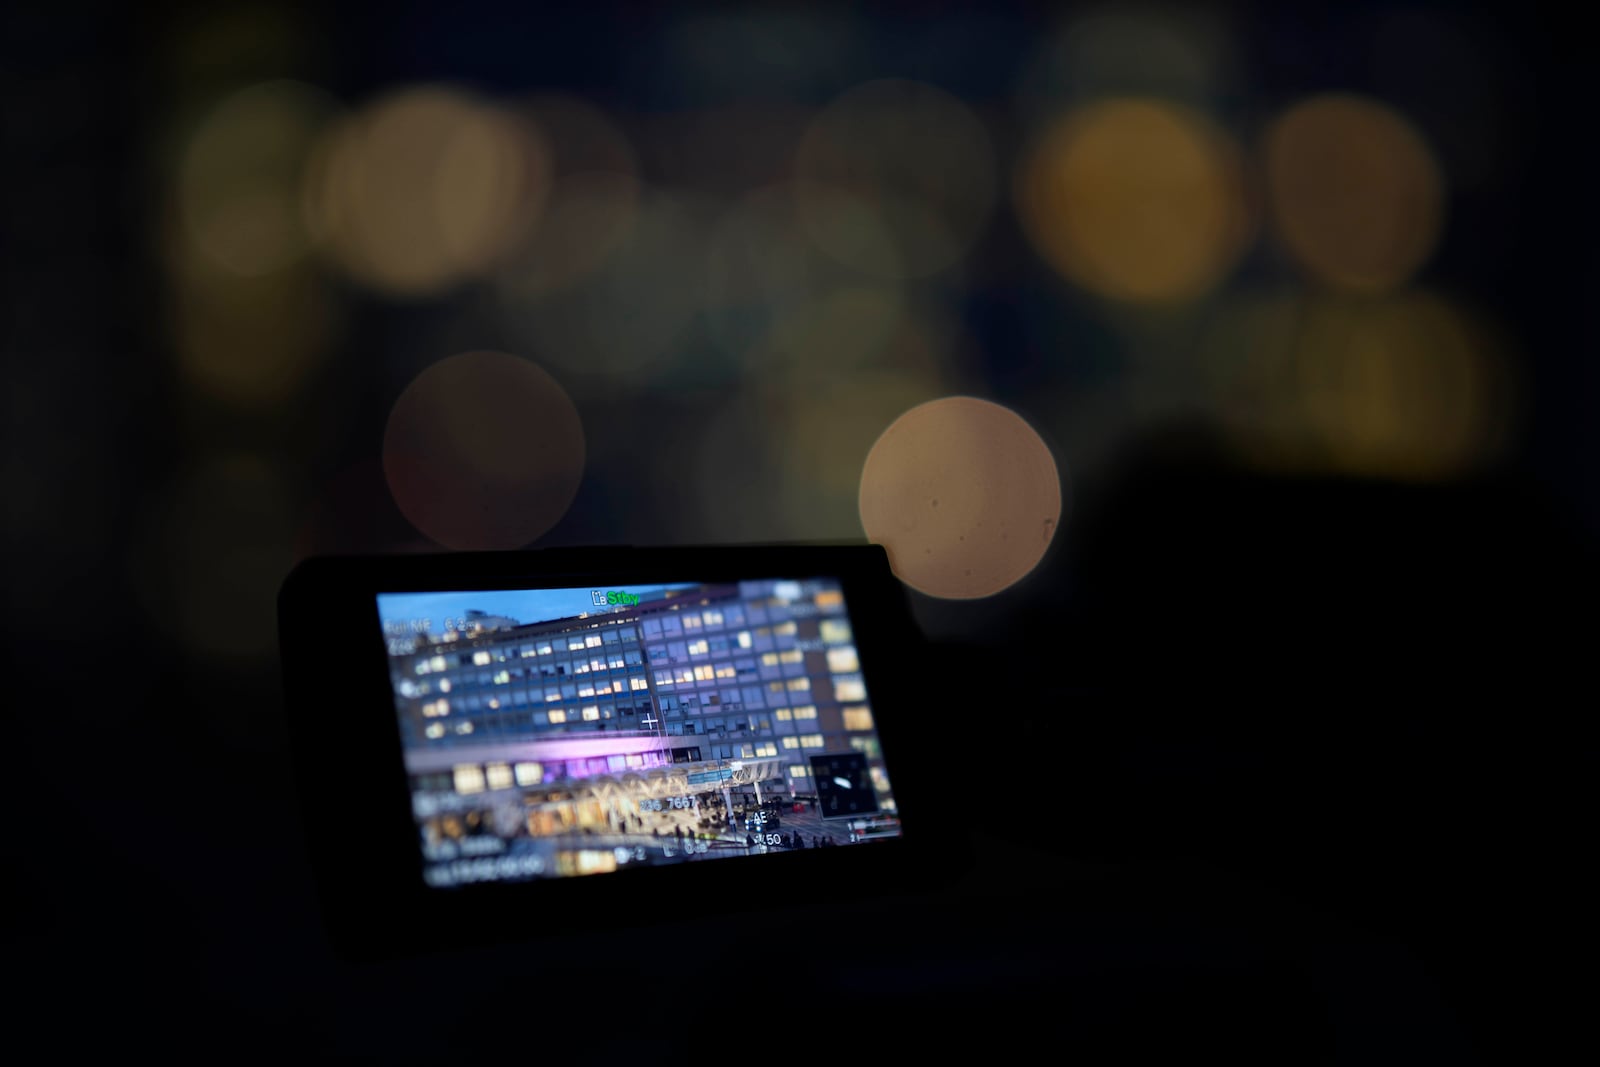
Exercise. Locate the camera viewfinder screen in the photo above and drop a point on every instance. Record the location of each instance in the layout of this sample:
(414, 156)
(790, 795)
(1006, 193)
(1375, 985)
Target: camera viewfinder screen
(551, 733)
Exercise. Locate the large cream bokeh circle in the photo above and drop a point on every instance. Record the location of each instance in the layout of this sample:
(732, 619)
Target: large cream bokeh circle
(964, 496)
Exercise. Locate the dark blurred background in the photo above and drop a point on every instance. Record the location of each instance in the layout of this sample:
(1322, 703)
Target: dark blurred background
(1276, 713)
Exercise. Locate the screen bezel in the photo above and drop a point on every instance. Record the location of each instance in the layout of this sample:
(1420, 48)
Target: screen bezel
(346, 745)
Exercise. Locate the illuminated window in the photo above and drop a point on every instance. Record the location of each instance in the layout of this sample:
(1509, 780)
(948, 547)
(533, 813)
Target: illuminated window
(699, 647)
(498, 775)
(552, 693)
(766, 748)
(463, 728)
(790, 742)
(810, 740)
(783, 714)
(529, 773)
(636, 683)
(835, 632)
(843, 660)
(867, 746)
(614, 661)
(712, 617)
(444, 685)
(793, 655)
(857, 718)
(580, 666)
(422, 666)
(849, 687)
(591, 713)
(502, 677)
(744, 638)
(586, 689)
(830, 598)
(784, 629)
(684, 674)
(604, 687)
(799, 770)
(558, 715)
(435, 730)
(663, 678)
(725, 670)
(575, 644)
(468, 778)
(437, 663)
(494, 703)
(481, 658)
(543, 648)
(769, 660)
(805, 711)
(705, 672)
(591, 641)
(691, 622)
(800, 684)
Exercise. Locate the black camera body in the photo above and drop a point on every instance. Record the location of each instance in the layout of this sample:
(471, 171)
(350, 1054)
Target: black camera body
(499, 747)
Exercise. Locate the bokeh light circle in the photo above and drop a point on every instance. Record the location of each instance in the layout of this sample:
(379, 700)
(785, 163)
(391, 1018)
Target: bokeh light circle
(1175, 53)
(1138, 200)
(240, 177)
(908, 156)
(425, 188)
(592, 199)
(629, 315)
(1406, 388)
(1402, 387)
(963, 494)
(251, 340)
(484, 450)
(1355, 194)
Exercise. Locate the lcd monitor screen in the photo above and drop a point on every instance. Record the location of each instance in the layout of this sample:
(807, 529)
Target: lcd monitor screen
(562, 732)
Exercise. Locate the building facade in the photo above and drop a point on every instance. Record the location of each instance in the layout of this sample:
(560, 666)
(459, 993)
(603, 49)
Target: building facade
(726, 689)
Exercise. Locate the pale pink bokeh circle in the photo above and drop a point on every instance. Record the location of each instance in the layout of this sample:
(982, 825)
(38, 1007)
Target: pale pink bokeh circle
(484, 450)
(964, 496)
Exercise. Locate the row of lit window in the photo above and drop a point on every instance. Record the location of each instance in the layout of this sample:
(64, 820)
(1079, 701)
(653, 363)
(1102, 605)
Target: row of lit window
(856, 719)
(833, 632)
(690, 621)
